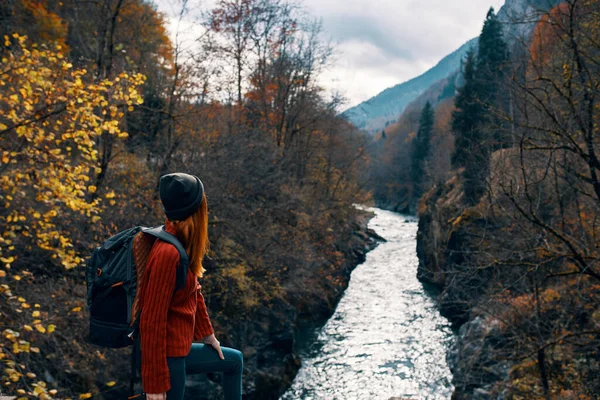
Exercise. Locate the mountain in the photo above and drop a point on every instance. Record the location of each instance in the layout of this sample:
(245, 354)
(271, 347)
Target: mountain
(376, 113)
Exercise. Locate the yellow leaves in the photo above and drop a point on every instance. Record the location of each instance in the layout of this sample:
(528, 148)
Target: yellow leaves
(7, 260)
(39, 390)
(11, 335)
(53, 111)
(13, 375)
(61, 149)
(110, 195)
(24, 346)
(111, 383)
(51, 214)
(24, 92)
(21, 346)
(455, 222)
(6, 290)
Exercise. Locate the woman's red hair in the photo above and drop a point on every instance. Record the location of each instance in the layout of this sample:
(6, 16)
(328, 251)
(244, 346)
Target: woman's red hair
(192, 232)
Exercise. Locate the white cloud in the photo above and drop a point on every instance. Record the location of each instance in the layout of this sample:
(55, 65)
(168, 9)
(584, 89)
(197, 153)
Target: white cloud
(385, 42)
(381, 43)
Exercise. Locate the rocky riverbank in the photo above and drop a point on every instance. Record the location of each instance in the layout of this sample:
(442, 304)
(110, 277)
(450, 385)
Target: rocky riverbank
(447, 243)
(271, 361)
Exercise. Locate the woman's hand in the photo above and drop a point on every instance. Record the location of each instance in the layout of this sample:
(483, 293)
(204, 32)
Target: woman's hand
(156, 396)
(214, 343)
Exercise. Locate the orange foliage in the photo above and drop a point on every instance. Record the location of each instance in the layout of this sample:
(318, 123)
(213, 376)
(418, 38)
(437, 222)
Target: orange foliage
(51, 26)
(547, 34)
(443, 116)
(143, 35)
(33, 19)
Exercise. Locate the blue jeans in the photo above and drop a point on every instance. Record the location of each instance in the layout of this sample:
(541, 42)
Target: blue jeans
(201, 359)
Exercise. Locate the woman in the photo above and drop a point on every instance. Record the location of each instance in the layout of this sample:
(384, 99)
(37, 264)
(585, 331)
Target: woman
(171, 320)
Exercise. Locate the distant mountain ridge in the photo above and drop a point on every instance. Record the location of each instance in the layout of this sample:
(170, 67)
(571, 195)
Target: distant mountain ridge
(373, 114)
(376, 113)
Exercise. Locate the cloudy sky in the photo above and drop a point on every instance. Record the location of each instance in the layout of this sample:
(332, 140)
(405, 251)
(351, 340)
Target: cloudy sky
(380, 43)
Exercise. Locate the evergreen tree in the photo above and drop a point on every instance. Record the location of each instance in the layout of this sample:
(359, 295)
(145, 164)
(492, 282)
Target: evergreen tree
(468, 115)
(476, 130)
(492, 60)
(492, 55)
(470, 151)
(420, 151)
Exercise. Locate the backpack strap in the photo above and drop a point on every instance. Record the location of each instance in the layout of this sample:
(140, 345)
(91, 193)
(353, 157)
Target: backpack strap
(184, 261)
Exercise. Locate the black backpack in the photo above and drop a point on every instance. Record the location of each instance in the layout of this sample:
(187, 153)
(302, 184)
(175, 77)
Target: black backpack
(111, 279)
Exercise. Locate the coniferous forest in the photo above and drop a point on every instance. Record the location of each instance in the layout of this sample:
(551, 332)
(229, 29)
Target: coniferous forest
(499, 160)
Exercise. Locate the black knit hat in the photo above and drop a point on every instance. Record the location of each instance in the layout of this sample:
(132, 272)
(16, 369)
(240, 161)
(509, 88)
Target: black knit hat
(181, 195)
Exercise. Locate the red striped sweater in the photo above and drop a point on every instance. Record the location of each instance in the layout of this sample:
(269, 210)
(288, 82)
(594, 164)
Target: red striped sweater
(170, 320)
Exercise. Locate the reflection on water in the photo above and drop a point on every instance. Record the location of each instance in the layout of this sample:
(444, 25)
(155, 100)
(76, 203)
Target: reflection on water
(386, 338)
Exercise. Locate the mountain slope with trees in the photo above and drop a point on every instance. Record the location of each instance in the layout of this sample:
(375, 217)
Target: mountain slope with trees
(513, 251)
(518, 18)
(384, 109)
(391, 158)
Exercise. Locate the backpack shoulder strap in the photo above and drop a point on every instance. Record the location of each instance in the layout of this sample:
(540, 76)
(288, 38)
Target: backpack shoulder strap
(160, 233)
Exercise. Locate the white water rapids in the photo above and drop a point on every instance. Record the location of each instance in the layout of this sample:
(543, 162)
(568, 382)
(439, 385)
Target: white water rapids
(386, 338)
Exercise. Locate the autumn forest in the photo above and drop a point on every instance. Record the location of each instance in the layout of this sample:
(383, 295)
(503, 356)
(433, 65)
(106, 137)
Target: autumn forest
(96, 103)
(499, 161)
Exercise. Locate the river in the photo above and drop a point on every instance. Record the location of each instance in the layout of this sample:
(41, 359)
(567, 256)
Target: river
(386, 338)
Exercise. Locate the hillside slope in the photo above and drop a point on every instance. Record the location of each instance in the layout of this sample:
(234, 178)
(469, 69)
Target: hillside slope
(373, 114)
